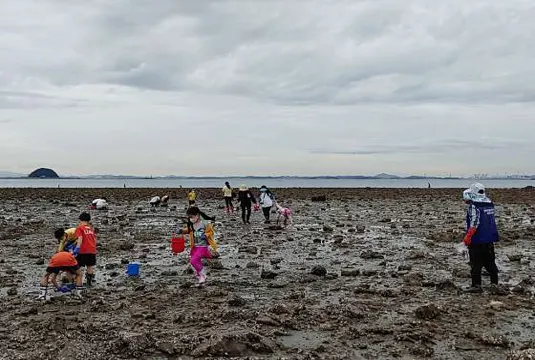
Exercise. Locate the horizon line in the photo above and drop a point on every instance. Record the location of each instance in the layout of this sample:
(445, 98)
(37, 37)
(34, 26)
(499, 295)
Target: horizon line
(381, 176)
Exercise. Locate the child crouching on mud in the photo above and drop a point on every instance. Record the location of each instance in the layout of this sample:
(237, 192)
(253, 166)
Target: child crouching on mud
(201, 237)
(284, 215)
(61, 261)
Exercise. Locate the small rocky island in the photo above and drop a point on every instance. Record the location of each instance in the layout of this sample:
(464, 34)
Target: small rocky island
(44, 173)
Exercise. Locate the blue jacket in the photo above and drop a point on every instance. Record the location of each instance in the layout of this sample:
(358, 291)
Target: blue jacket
(486, 229)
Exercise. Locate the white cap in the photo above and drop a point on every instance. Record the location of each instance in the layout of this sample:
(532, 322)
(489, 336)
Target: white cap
(477, 188)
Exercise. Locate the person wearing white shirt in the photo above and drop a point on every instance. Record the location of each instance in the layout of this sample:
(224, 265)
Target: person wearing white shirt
(100, 204)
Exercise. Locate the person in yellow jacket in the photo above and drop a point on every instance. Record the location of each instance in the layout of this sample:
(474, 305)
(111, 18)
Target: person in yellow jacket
(192, 197)
(65, 238)
(228, 195)
(201, 238)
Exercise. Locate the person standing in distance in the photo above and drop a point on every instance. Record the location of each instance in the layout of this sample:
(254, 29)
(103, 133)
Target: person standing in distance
(227, 194)
(481, 234)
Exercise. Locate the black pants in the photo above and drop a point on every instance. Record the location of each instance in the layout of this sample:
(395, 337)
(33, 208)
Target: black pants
(228, 201)
(482, 255)
(246, 213)
(267, 212)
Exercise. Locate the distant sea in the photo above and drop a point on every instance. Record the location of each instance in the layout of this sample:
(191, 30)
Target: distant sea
(257, 182)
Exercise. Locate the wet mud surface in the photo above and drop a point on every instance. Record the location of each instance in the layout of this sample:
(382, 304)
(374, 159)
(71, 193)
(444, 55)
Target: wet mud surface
(366, 274)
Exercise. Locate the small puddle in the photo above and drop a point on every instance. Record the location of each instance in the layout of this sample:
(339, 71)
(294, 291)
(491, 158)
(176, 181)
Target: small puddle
(306, 340)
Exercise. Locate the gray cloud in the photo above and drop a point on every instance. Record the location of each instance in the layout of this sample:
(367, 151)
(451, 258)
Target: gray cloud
(413, 82)
(442, 146)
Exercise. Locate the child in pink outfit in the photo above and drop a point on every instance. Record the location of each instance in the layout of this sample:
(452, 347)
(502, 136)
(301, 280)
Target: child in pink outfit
(201, 236)
(284, 214)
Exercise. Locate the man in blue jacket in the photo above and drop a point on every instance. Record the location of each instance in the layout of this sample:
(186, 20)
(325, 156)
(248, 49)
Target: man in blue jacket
(481, 234)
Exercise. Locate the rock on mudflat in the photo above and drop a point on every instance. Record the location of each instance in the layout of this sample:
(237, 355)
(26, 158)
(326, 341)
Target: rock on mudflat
(249, 249)
(514, 257)
(495, 340)
(527, 354)
(235, 344)
(350, 272)
(12, 292)
(318, 270)
(126, 246)
(216, 264)
(268, 274)
(327, 228)
(236, 300)
(266, 320)
(136, 344)
(427, 312)
(370, 254)
(500, 290)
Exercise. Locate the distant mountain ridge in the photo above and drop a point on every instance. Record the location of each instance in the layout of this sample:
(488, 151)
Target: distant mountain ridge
(9, 174)
(381, 176)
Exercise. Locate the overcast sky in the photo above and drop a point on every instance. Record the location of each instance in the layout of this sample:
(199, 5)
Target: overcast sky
(266, 87)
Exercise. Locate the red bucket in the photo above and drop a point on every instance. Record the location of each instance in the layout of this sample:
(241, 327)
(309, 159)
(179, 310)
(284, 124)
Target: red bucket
(177, 245)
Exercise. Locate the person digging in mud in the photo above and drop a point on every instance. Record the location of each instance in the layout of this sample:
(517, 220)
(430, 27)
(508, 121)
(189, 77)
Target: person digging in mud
(266, 202)
(61, 261)
(481, 234)
(165, 201)
(155, 201)
(228, 194)
(86, 247)
(201, 237)
(246, 199)
(99, 204)
(66, 238)
(284, 215)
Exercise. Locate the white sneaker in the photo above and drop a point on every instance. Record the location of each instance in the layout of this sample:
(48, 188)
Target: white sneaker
(78, 293)
(43, 295)
(202, 279)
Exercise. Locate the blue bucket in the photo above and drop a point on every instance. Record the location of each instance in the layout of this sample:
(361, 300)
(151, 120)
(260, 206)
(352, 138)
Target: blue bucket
(133, 269)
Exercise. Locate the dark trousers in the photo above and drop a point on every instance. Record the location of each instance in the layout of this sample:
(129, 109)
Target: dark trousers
(482, 255)
(246, 213)
(228, 201)
(266, 211)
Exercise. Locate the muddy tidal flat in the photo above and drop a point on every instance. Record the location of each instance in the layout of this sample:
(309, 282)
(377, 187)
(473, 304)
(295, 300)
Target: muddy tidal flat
(365, 274)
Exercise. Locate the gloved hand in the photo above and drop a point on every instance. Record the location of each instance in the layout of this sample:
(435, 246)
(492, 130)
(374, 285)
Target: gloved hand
(468, 237)
(76, 251)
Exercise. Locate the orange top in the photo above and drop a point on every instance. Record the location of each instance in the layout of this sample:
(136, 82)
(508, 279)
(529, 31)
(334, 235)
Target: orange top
(62, 258)
(89, 240)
